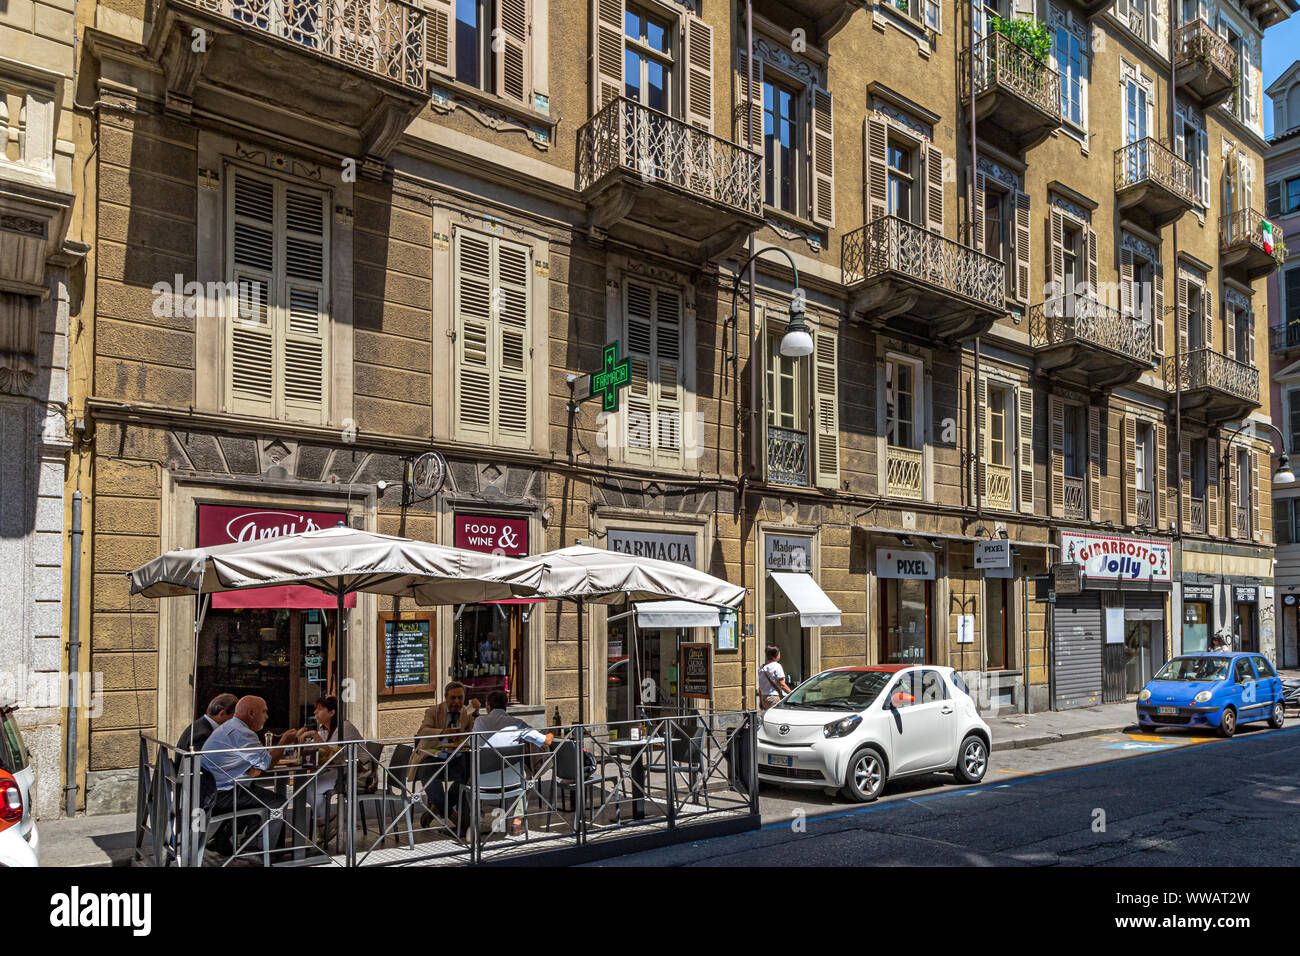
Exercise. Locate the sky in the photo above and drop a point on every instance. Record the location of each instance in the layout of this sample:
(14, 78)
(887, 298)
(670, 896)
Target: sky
(1281, 49)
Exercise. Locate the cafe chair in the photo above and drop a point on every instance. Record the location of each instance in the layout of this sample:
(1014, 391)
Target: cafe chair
(215, 821)
(390, 789)
(500, 782)
(565, 776)
(687, 748)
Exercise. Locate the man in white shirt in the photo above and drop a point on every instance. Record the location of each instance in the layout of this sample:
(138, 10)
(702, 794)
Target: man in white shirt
(510, 730)
(771, 679)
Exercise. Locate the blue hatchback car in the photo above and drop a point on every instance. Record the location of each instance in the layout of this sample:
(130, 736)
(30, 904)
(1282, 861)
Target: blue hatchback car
(1220, 690)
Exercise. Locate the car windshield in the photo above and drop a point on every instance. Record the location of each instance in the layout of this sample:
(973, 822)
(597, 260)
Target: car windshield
(849, 690)
(1195, 668)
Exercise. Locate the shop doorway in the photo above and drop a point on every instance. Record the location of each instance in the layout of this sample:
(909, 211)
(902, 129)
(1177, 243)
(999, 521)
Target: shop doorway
(997, 625)
(905, 621)
(641, 670)
(1140, 655)
(786, 632)
(1196, 627)
(1245, 627)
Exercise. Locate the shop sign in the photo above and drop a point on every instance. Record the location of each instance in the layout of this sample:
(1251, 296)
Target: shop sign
(786, 553)
(993, 553)
(697, 671)
(406, 653)
(891, 563)
(227, 524)
(1245, 595)
(727, 632)
(1197, 592)
(492, 534)
(1115, 558)
(676, 548)
(1066, 578)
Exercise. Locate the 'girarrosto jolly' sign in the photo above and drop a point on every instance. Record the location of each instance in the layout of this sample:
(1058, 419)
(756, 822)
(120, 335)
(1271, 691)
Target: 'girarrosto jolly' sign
(1117, 558)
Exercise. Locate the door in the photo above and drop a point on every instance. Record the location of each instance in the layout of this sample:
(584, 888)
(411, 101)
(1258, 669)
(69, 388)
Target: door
(904, 621)
(1138, 664)
(1270, 685)
(1245, 633)
(1077, 651)
(1247, 695)
(1137, 108)
(923, 723)
(1196, 627)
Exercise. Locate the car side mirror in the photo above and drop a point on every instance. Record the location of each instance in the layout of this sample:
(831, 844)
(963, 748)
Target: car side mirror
(899, 699)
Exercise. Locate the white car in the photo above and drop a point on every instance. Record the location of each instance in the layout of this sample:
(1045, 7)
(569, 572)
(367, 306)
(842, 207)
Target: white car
(19, 841)
(857, 727)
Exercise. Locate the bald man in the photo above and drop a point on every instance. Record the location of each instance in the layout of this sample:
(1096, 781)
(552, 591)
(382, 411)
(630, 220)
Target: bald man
(234, 755)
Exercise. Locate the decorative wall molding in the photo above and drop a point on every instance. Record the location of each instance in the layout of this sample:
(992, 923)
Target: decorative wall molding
(445, 101)
(1070, 208)
(787, 231)
(895, 117)
(1143, 248)
(787, 62)
(999, 173)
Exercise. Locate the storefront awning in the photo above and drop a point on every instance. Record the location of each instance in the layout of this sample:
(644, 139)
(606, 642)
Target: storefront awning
(675, 614)
(814, 607)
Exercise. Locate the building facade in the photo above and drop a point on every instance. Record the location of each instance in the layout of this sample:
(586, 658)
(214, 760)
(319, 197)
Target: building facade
(326, 247)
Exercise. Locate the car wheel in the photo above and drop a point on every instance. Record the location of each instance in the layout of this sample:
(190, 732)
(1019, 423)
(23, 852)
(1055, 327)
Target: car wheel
(1228, 722)
(972, 760)
(1279, 716)
(866, 775)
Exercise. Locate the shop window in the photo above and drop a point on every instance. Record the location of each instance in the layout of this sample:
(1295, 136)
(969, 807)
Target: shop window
(490, 650)
(904, 621)
(997, 624)
(785, 631)
(1196, 626)
(641, 669)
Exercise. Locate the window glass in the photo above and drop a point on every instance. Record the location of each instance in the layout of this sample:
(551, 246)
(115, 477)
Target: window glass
(1141, 476)
(1291, 198)
(647, 60)
(997, 399)
(932, 688)
(1263, 668)
(900, 182)
(851, 689)
(907, 691)
(780, 146)
(994, 228)
(1242, 671)
(1195, 669)
(900, 379)
(1069, 62)
(15, 751)
(469, 42)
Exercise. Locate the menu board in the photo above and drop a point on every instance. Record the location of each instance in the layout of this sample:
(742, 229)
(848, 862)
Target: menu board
(406, 653)
(697, 671)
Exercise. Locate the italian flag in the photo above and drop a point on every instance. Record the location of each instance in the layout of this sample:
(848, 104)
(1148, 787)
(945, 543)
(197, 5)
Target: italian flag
(1267, 228)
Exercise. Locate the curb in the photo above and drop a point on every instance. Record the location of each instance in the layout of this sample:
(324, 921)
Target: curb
(1022, 743)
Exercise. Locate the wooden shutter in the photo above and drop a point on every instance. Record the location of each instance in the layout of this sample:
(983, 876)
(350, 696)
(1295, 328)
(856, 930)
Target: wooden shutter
(749, 112)
(1094, 463)
(1022, 253)
(877, 169)
(250, 237)
(513, 354)
(639, 339)
(669, 393)
(1231, 494)
(473, 325)
(1090, 236)
(1160, 479)
(1211, 488)
(1056, 226)
(1056, 411)
(934, 189)
(440, 49)
(1203, 144)
(1126, 281)
(655, 403)
(1130, 470)
(1255, 531)
(822, 138)
(607, 52)
(1185, 478)
(1207, 320)
(1273, 199)
(513, 70)
(1180, 135)
(699, 73)
(1230, 330)
(979, 413)
(977, 216)
(826, 410)
(1158, 307)
(1025, 446)
(306, 220)
(1181, 287)
(1250, 357)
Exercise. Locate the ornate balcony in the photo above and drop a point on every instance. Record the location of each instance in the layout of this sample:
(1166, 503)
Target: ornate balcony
(1206, 63)
(1146, 510)
(998, 483)
(677, 188)
(919, 281)
(787, 456)
(1077, 336)
(1243, 521)
(1214, 387)
(1152, 181)
(904, 472)
(1076, 499)
(1284, 338)
(346, 74)
(1241, 245)
(1196, 516)
(1016, 95)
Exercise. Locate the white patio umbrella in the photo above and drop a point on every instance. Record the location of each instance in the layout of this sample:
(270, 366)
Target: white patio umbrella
(598, 576)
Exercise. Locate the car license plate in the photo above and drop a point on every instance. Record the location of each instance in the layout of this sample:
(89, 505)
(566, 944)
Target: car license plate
(1166, 710)
(776, 760)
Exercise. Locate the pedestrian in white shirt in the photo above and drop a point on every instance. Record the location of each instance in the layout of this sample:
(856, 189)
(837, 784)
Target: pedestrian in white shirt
(771, 679)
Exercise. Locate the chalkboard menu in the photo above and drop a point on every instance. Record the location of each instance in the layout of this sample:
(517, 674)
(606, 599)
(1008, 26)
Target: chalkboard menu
(697, 671)
(406, 653)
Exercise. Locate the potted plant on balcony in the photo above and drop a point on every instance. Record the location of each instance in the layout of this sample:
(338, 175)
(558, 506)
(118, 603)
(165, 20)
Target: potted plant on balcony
(1031, 38)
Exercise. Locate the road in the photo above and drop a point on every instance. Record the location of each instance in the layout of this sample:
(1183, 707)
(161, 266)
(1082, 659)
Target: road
(1185, 801)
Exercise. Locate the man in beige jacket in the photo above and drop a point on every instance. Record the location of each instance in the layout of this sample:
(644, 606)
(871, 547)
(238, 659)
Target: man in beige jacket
(443, 724)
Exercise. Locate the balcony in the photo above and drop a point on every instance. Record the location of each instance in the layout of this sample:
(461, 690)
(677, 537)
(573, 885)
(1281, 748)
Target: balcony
(347, 75)
(787, 456)
(919, 281)
(998, 482)
(1077, 336)
(904, 472)
(1152, 182)
(1017, 98)
(666, 184)
(1214, 387)
(1146, 510)
(1206, 63)
(1076, 499)
(1196, 516)
(1243, 521)
(1284, 338)
(1241, 245)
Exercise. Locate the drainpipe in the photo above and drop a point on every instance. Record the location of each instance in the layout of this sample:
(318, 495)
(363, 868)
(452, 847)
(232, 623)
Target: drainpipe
(974, 242)
(975, 413)
(756, 452)
(74, 648)
(1178, 339)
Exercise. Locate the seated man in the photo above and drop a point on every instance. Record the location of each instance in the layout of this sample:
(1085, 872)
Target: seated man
(220, 710)
(442, 728)
(498, 719)
(234, 755)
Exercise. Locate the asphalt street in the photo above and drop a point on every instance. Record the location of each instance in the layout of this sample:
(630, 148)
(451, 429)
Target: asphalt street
(1168, 800)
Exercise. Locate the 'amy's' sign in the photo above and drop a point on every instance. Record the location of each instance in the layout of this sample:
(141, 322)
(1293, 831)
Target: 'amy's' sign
(1116, 558)
(891, 563)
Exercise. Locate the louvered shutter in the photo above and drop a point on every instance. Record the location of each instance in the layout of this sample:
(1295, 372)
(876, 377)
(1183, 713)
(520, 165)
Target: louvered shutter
(1230, 330)
(513, 71)
(669, 397)
(1211, 488)
(251, 240)
(1203, 144)
(822, 137)
(1025, 446)
(1180, 134)
(1232, 496)
(305, 222)
(473, 307)
(826, 410)
(1056, 411)
(1056, 278)
(513, 356)
(934, 189)
(440, 47)
(1158, 307)
(1273, 199)
(1126, 281)
(1094, 463)
(607, 52)
(1250, 356)
(1160, 480)
(1185, 477)
(1022, 251)
(977, 240)
(1207, 320)
(699, 73)
(1130, 470)
(877, 169)
(640, 355)
(1255, 531)
(1091, 236)
(1181, 287)
(749, 111)
(980, 413)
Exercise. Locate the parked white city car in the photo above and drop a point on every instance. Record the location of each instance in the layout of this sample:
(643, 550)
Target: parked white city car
(19, 842)
(857, 727)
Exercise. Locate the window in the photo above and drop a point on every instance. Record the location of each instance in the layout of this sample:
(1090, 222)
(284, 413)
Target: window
(473, 42)
(647, 60)
(997, 426)
(482, 44)
(786, 405)
(1142, 469)
(1293, 416)
(277, 254)
(1137, 115)
(1196, 329)
(493, 348)
(782, 149)
(902, 183)
(1243, 479)
(1076, 441)
(1282, 521)
(924, 12)
(653, 416)
(900, 397)
(1200, 451)
(1243, 333)
(1074, 256)
(1068, 49)
(1283, 197)
(1292, 299)
(995, 226)
(1239, 103)
(1142, 273)
(1192, 144)
(997, 630)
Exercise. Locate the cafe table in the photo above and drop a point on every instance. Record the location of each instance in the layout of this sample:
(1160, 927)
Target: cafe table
(296, 777)
(637, 754)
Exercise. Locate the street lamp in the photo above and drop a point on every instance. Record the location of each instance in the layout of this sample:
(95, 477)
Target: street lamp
(798, 340)
(1284, 475)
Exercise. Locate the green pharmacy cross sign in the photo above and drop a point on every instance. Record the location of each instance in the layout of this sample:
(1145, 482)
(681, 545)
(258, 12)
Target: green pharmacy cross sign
(613, 376)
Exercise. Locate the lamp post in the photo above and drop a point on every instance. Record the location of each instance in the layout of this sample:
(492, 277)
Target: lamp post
(797, 341)
(1284, 475)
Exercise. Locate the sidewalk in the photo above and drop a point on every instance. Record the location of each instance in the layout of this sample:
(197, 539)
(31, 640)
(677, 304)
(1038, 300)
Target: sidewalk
(104, 840)
(1013, 731)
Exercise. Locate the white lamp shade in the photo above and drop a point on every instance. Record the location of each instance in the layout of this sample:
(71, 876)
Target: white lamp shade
(796, 343)
(1283, 476)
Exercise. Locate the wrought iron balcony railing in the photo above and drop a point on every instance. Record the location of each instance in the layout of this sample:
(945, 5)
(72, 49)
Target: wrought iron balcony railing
(1078, 317)
(1198, 41)
(383, 37)
(787, 456)
(1146, 514)
(998, 482)
(1001, 63)
(1243, 522)
(627, 136)
(1076, 499)
(1206, 368)
(1196, 515)
(893, 245)
(1150, 161)
(1283, 337)
(1242, 226)
(903, 472)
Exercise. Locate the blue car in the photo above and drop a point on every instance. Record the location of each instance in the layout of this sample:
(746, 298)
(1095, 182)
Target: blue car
(1221, 690)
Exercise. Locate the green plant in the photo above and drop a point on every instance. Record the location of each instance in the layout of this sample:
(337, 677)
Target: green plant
(1029, 36)
(1279, 250)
